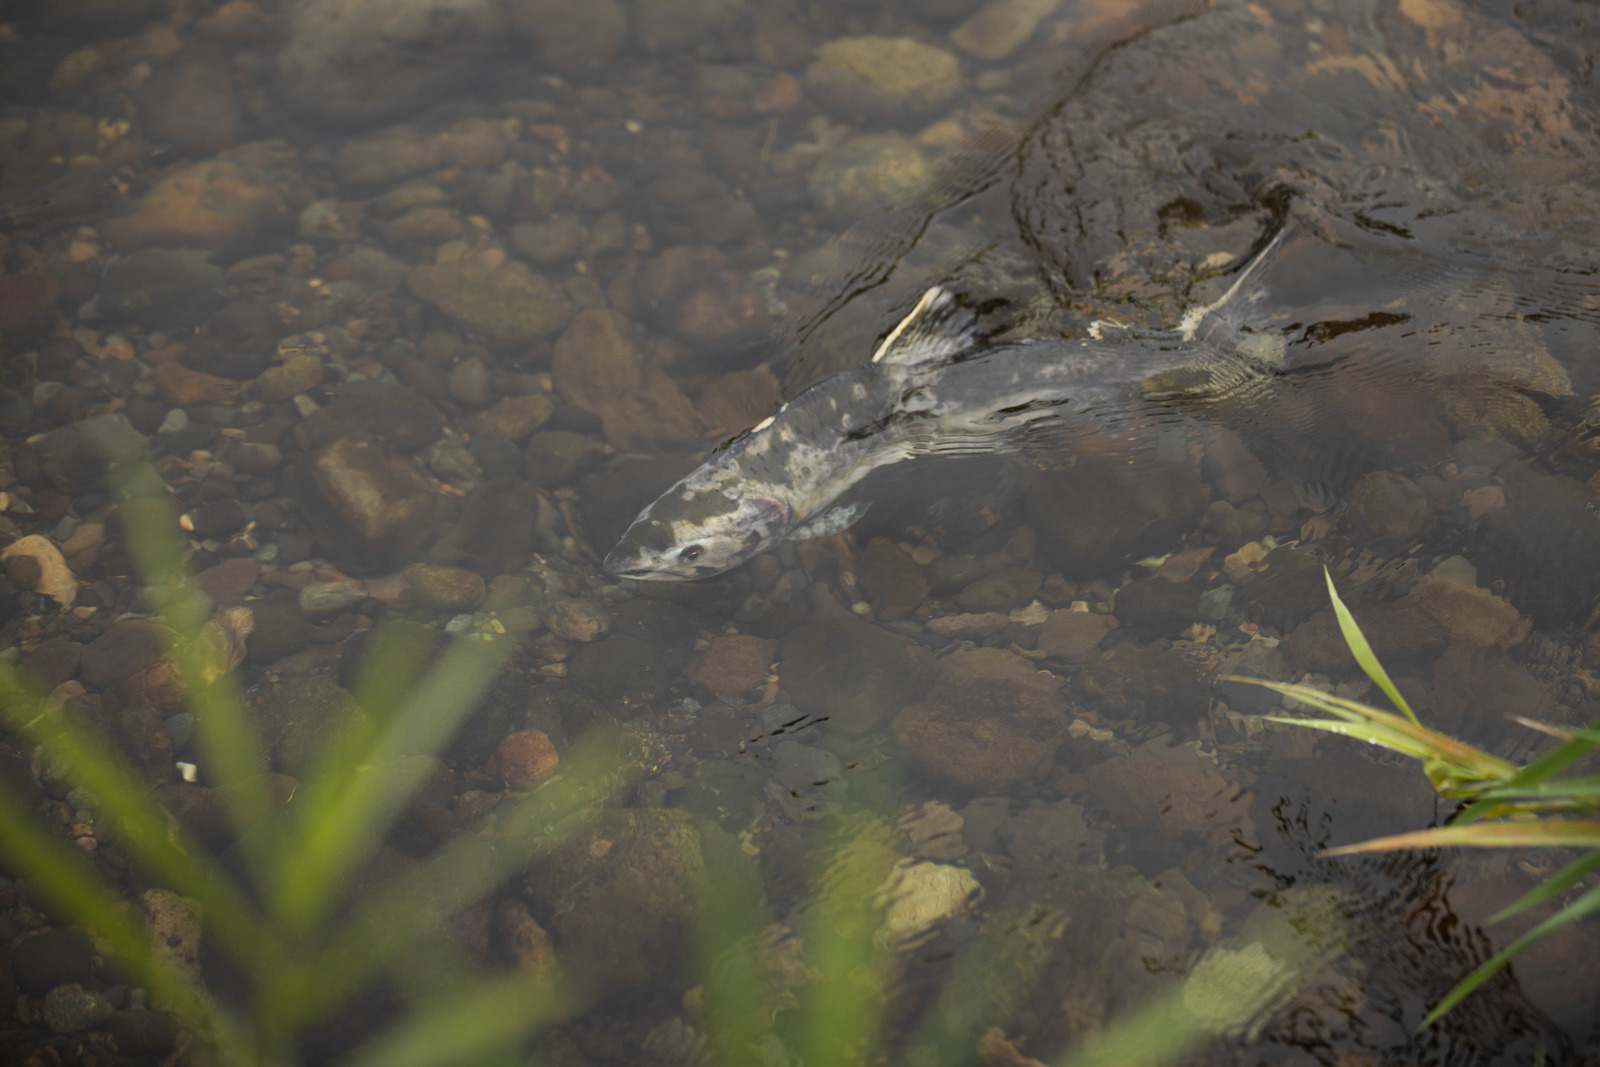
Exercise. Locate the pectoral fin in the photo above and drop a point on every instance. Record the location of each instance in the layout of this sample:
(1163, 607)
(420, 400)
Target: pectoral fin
(830, 522)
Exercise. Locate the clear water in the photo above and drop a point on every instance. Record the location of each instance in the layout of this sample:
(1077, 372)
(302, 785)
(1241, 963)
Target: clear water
(756, 221)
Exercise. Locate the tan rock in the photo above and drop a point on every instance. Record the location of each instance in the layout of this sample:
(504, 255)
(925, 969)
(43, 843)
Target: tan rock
(53, 579)
(515, 416)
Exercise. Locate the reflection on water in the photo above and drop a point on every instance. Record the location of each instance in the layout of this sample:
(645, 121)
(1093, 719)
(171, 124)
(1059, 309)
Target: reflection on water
(416, 304)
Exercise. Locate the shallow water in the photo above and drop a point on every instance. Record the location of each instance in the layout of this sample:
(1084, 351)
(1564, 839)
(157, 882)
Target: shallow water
(586, 245)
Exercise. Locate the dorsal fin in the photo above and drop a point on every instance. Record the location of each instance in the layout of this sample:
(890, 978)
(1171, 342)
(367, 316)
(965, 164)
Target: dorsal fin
(937, 328)
(1223, 317)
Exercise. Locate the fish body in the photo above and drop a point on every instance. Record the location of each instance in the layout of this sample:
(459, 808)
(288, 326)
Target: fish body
(934, 386)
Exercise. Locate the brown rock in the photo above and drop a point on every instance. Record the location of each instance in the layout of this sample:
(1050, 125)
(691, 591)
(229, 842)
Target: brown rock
(987, 736)
(191, 103)
(520, 939)
(698, 293)
(229, 581)
(743, 398)
(1401, 628)
(451, 589)
(1472, 616)
(213, 204)
(596, 367)
(27, 305)
(1168, 790)
(1073, 635)
(1476, 688)
(49, 663)
(1387, 506)
(734, 663)
(127, 646)
(1007, 588)
(895, 584)
(995, 666)
(525, 758)
(182, 387)
(572, 36)
(504, 304)
(856, 673)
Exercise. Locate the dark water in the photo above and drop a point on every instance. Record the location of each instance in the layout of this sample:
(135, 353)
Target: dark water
(714, 213)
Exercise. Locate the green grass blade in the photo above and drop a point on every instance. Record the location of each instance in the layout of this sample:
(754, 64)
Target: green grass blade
(379, 932)
(844, 1007)
(1539, 833)
(351, 815)
(1584, 905)
(1561, 789)
(484, 1019)
(1363, 651)
(731, 949)
(1541, 769)
(1551, 887)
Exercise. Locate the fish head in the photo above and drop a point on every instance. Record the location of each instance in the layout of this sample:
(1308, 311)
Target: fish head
(698, 532)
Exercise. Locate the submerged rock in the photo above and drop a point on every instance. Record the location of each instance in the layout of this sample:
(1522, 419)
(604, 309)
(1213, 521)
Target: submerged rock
(981, 736)
(1168, 790)
(698, 293)
(618, 888)
(341, 61)
(873, 172)
(376, 501)
(670, 25)
(572, 36)
(883, 77)
(855, 673)
(504, 304)
(214, 204)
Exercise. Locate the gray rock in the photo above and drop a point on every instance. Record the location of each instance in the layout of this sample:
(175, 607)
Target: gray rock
(71, 1009)
(76, 457)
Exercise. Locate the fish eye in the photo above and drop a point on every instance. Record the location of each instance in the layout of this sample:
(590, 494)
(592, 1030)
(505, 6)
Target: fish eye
(692, 553)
